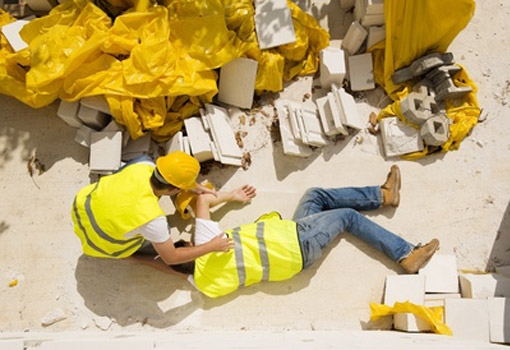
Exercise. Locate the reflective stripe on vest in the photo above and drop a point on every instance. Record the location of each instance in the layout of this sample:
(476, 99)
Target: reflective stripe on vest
(136, 240)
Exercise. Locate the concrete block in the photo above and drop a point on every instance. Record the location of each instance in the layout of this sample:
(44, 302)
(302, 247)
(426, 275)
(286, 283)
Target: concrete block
(105, 151)
(441, 274)
(468, 318)
(83, 135)
(369, 20)
(336, 112)
(332, 66)
(409, 322)
(98, 103)
(349, 114)
(93, 118)
(486, 285)
(499, 320)
(402, 288)
(375, 35)
(312, 133)
(361, 73)
(291, 145)
(11, 33)
(374, 7)
(438, 299)
(114, 126)
(421, 66)
(136, 148)
(418, 108)
(68, 112)
(399, 138)
(176, 143)
(185, 143)
(199, 139)
(237, 82)
(326, 115)
(223, 135)
(354, 38)
(273, 24)
(436, 130)
(41, 5)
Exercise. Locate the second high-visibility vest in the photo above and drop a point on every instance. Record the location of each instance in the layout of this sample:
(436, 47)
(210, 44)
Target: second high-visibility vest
(104, 211)
(267, 250)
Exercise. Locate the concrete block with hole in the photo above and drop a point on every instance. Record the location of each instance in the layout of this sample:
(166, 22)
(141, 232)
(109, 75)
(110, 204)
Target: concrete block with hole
(441, 274)
(484, 285)
(237, 82)
(361, 72)
(418, 108)
(332, 66)
(436, 130)
(354, 38)
(68, 112)
(499, 320)
(468, 318)
(421, 66)
(199, 139)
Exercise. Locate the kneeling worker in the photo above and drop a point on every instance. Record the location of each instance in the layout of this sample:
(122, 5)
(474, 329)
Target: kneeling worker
(116, 216)
(272, 249)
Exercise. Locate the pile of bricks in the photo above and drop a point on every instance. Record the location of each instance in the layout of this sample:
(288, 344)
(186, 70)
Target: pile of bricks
(476, 305)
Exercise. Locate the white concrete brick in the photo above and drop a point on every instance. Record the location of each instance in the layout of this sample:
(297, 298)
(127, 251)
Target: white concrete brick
(237, 82)
(499, 320)
(199, 139)
(83, 135)
(361, 73)
(291, 146)
(68, 112)
(176, 143)
(437, 299)
(468, 318)
(127, 343)
(98, 103)
(354, 38)
(105, 151)
(185, 143)
(399, 138)
(93, 118)
(114, 126)
(136, 148)
(402, 288)
(273, 24)
(332, 66)
(480, 286)
(326, 115)
(441, 274)
(11, 33)
(409, 322)
(336, 112)
(349, 114)
(375, 35)
(374, 7)
(312, 129)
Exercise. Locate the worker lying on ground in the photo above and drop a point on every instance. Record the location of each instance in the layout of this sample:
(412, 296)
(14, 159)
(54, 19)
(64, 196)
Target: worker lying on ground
(120, 214)
(272, 249)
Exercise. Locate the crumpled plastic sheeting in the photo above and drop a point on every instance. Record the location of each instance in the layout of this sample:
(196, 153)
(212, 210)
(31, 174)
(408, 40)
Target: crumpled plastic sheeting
(155, 67)
(432, 315)
(414, 29)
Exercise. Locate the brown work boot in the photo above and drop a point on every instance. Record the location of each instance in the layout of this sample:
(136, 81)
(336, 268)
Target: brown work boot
(391, 188)
(419, 256)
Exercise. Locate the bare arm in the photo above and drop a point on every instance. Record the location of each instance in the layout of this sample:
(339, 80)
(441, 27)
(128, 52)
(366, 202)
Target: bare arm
(206, 200)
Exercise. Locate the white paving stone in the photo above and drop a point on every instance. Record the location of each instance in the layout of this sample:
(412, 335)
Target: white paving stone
(402, 288)
(361, 72)
(105, 151)
(499, 320)
(484, 285)
(237, 82)
(441, 274)
(468, 318)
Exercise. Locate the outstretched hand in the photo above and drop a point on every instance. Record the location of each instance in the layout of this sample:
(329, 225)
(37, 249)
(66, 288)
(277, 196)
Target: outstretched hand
(244, 194)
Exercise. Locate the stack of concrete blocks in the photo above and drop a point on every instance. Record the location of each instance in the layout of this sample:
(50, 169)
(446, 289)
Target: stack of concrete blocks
(332, 66)
(224, 147)
(483, 312)
(399, 138)
(11, 33)
(273, 23)
(423, 111)
(369, 12)
(237, 82)
(338, 112)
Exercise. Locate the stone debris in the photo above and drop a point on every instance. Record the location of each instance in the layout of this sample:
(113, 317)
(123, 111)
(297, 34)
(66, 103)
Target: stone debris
(52, 317)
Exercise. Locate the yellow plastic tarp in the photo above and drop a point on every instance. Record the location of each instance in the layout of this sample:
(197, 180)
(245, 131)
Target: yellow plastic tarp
(155, 64)
(414, 29)
(432, 315)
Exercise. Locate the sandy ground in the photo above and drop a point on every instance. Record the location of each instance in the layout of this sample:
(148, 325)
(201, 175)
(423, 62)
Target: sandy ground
(461, 197)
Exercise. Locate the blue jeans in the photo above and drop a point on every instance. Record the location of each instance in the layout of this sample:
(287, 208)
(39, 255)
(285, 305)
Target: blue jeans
(324, 213)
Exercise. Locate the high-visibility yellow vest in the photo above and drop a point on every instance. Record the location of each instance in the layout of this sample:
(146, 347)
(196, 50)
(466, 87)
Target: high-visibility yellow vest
(267, 250)
(104, 211)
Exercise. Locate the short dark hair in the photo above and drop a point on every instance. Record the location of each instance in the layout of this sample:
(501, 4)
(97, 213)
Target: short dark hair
(187, 267)
(160, 185)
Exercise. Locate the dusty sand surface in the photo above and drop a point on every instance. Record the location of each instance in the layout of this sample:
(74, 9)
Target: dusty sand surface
(461, 197)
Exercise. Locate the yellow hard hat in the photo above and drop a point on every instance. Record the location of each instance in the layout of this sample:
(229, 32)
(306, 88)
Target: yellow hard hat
(178, 169)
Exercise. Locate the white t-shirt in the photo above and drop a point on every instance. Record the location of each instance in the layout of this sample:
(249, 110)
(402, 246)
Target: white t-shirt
(154, 231)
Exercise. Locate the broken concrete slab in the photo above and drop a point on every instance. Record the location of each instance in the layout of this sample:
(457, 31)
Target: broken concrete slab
(361, 73)
(399, 138)
(375, 35)
(237, 82)
(199, 139)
